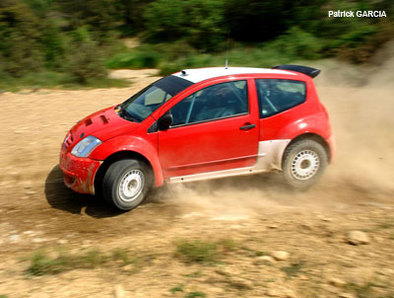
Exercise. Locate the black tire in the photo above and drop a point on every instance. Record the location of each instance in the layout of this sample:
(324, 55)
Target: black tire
(126, 183)
(304, 163)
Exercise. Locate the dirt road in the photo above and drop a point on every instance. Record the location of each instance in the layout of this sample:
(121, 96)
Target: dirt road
(255, 214)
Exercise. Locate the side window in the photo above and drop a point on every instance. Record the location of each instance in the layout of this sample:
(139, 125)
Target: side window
(277, 95)
(214, 102)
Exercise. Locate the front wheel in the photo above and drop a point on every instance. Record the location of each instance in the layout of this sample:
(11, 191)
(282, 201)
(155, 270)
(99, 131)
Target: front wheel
(304, 163)
(126, 183)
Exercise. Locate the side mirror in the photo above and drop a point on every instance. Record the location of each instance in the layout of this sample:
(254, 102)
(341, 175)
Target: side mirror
(165, 121)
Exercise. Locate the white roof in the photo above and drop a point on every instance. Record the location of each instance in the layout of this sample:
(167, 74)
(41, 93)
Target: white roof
(201, 74)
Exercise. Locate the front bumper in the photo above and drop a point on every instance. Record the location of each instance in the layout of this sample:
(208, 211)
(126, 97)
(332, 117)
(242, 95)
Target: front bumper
(79, 173)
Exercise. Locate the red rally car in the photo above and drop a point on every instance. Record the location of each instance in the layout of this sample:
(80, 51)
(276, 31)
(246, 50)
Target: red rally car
(200, 124)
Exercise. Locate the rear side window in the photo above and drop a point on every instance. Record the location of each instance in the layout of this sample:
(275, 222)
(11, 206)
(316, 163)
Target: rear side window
(277, 95)
(214, 102)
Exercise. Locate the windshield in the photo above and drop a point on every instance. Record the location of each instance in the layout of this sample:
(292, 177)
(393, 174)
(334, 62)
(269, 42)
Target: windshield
(138, 107)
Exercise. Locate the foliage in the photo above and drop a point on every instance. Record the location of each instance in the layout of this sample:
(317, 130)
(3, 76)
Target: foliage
(256, 55)
(142, 57)
(254, 20)
(131, 16)
(178, 288)
(197, 251)
(85, 61)
(363, 291)
(200, 23)
(195, 294)
(72, 38)
(20, 34)
(98, 16)
(355, 39)
(294, 269)
(299, 44)
(52, 79)
(42, 263)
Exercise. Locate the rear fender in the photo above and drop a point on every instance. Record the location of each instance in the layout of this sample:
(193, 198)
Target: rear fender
(314, 124)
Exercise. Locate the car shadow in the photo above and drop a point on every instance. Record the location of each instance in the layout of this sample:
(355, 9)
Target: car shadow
(62, 198)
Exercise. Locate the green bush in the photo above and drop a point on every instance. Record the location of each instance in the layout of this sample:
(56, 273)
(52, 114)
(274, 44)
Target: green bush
(297, 43)
(200, 23)
(42, 263)
(241, 55)
(195, 294)
(255, 20)
(54, 44)
(20, 34)
(174, 50)
(197, 251)
(135, 59)
(85, 61)
(359, 44)
(72, 38)
(97, 16)
(166, 19)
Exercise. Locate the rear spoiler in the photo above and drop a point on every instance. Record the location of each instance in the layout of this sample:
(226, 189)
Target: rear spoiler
(309, 71)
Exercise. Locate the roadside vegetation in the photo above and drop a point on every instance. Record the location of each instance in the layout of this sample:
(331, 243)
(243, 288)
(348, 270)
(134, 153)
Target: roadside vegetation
(43, 262)
(55, 261)
(208, 253)
(200, 266)
(71, 43)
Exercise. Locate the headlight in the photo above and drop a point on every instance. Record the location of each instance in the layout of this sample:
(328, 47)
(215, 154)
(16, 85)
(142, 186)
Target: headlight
(86, 146)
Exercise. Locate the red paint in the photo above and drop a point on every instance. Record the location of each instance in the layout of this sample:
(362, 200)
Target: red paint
(209, 146)
(79, 173)
(196, 148)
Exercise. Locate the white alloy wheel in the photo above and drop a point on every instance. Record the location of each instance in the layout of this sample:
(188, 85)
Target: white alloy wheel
(126, 183)
(305, 164)
(131, 185)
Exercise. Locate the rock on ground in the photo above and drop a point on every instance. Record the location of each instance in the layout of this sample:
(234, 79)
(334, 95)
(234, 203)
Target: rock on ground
(357, 238)
(280, 255)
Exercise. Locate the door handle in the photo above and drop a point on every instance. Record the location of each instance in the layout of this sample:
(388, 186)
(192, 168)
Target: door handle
(247, 127)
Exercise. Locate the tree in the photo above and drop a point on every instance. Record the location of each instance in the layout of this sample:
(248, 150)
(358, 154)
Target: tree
(255, 20)
(98, 16)
(20, 34)
(200, 23)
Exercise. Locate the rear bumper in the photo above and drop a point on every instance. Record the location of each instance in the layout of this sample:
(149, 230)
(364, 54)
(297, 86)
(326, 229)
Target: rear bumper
(79, 173)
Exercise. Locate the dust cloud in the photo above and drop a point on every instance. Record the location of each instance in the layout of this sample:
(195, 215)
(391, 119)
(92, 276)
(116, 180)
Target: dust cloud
(360, 102)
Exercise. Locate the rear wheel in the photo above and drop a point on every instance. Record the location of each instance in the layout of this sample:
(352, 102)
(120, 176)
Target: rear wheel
(126, 183)
(304, 163)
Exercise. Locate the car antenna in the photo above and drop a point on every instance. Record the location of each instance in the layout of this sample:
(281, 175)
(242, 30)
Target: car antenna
(227, 47)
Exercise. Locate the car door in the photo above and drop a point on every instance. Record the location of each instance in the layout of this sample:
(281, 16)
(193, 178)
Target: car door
(280, 104)
(212, 130)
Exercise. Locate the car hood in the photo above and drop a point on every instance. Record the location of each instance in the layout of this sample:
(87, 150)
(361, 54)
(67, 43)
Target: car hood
(103, 124)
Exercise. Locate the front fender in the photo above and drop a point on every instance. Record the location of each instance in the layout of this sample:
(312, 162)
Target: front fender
(132, 144)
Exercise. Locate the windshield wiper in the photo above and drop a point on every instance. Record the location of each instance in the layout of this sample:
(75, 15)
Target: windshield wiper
(126, 115)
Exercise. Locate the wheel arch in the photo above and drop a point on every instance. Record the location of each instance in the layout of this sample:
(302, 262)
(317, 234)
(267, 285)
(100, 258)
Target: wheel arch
(125, 154)
(311, 136)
